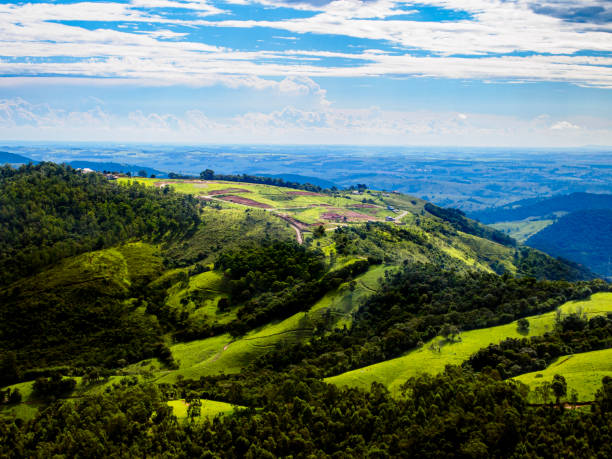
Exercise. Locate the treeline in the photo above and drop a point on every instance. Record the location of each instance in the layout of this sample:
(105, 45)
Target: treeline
(454, 414)
(209, 174)
(49, 212)
(573, 334)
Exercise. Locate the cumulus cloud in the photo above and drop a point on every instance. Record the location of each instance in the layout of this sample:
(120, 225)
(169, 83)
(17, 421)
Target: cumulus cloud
(18, 117)
(564, 126)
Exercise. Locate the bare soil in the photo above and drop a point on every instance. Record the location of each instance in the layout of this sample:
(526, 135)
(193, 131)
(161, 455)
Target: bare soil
(245, 201)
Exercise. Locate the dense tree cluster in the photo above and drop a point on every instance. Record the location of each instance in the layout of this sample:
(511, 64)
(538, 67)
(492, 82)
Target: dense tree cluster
(273, 266)
(50, 211)
(455, 414)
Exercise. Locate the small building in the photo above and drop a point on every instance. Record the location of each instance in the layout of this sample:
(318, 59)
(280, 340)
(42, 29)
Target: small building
(390, 219)
(391, 208)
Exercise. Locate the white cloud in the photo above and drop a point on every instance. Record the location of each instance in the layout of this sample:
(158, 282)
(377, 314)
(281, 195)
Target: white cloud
(564, 126)
(22, 119)
(34, 39)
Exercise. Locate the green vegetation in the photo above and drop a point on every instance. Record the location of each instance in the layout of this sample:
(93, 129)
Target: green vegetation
(217, 330)
(209, 408)
(582, 372)
(49, 212)
(434, 355)
(582, 236)
(522, 230)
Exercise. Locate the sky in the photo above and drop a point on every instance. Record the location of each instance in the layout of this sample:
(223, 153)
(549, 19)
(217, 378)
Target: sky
(513, 73)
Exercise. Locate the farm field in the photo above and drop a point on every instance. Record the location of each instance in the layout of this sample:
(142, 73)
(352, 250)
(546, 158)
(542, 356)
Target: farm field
(582, 372)
(307, 207)
(437, 353)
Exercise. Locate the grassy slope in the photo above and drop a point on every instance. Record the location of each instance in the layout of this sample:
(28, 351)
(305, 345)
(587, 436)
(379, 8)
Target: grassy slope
(582, 372)
(210, 408)
(393, 373)
(222, 354)
(523, 229)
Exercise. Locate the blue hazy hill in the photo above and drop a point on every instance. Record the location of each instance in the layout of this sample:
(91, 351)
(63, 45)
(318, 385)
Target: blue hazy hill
(13, 158)
(116, 167)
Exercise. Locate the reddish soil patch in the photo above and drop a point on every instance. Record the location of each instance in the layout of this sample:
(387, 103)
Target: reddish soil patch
(303, 193)
(350, 215)
(228, 191)
(293, 221)
(244, 201)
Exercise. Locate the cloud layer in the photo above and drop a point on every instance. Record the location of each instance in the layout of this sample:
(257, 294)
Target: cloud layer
(176, 41)
(22, 119)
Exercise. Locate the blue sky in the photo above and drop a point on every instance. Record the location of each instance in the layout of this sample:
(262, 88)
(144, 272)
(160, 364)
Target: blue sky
(384, 72)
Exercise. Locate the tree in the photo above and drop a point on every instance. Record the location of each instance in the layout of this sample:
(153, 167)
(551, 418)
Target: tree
(522, 326)
(207, 174)
(142, 173)
(14, 397)
(559, 387)
(543, 391)
(194, 409)
(319, 231)
(9, 371)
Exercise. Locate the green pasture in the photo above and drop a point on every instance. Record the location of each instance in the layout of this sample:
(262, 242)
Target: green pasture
(582, 372)
(210, 408)
(437, 353)
(223, 354)
(522, 230)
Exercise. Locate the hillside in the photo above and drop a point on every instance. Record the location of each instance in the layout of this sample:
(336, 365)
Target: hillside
(575, 227)
(543, 207)
(13, 158)
(242, 309)
(584, 237)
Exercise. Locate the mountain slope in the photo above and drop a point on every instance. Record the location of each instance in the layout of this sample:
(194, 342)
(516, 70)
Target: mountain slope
(543, 207)
(584, 237)
(13, 158)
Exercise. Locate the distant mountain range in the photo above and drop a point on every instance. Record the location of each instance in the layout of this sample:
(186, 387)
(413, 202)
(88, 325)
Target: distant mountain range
(543, 207)
(12, 158)
(577, 227)
(302, 179)
(116, 167)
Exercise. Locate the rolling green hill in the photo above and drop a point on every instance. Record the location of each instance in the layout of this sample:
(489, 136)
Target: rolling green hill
(126, 304)
(434, 355)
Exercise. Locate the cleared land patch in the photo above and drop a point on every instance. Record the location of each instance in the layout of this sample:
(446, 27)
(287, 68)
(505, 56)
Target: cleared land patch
(209, 409)
(245, 201)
